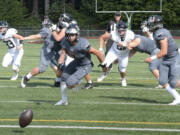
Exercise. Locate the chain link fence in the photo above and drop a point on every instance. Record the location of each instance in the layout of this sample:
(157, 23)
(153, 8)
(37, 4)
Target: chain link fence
(84, 33)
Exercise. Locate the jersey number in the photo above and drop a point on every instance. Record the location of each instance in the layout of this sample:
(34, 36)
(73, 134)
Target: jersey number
(9, 44)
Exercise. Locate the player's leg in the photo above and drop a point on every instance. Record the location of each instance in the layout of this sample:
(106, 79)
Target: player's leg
(122, 65)
(7, 60)
(89, 83)
(109, 59)
(17, 62)
(44, 62)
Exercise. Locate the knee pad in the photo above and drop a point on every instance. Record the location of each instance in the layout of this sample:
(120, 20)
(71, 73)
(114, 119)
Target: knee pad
(122, 69)
(162, 82)
(4, 65)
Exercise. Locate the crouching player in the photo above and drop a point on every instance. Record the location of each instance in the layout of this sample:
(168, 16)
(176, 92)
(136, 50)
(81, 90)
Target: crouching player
(81, 50)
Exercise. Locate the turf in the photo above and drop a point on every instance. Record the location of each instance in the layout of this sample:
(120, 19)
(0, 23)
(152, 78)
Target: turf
(107, 109)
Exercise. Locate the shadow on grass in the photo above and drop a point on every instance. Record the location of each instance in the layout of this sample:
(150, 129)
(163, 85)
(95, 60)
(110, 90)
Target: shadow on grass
(133, 99)
(18, 131)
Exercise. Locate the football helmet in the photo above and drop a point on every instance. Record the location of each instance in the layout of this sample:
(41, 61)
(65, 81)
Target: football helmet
(155, 22)
(73, 29)
(122, 27)
(46, 22)
(64, 20)
(144, 24)
(4, 24)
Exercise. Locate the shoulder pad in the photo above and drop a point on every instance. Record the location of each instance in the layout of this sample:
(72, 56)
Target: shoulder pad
(11, 31)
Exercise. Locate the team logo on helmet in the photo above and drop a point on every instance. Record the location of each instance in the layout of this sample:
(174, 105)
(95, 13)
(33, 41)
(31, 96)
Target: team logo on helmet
(155, 22)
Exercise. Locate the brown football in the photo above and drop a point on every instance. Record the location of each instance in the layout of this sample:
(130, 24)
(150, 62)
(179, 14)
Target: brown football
(25, 118)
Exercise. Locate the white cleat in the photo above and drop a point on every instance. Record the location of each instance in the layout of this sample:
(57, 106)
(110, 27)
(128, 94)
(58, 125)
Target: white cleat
(159, 87)
(14, 77)
(101, 78)
(175, 102)
(124, 83)
(65, 103)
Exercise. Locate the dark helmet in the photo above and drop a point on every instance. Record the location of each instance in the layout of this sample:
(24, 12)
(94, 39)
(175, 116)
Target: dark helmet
(121, 26)
(73, 29)
(155, 22)
(117, 13)
(47, 22)
(64, 20)
(3, 24)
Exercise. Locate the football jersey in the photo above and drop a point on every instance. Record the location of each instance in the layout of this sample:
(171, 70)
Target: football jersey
(9, 39)
(80, 51)
(146, 45)
(161, 34)
(49, 40)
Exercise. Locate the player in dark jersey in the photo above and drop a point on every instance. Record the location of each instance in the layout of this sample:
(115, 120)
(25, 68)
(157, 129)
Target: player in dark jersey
(81, 50)
(169, 68)
(48, 52)
(65, 20)
(146, 45)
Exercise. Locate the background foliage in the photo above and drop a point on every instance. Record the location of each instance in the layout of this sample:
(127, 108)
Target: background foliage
(19, 12)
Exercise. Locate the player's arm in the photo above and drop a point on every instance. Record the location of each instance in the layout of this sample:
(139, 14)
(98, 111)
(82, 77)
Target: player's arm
(97, 53)
(102, 39)
(133, 43)
(18, 36)
(163, 51)
(37, 36)
(131, 53)
(62, 56)
(59, 36)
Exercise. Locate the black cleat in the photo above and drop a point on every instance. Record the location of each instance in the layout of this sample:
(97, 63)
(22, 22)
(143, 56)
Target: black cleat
(24, 81)
(88, 86)
(57, 84)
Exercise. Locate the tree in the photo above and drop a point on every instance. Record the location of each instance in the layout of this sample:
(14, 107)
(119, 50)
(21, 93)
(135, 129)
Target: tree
(35, 9)
(46, 7)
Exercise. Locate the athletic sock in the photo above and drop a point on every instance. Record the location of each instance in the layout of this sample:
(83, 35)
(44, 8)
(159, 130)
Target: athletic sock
(90, 81)
(58, 79)
(173, 92)
(29, 75)
(63, 91)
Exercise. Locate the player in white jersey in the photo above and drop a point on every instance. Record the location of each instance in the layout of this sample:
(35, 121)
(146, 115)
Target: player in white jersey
(15, 48)
(111, 27)
(119, 49)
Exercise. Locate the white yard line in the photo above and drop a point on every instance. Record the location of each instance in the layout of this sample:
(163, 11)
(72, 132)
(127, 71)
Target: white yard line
(95, 128)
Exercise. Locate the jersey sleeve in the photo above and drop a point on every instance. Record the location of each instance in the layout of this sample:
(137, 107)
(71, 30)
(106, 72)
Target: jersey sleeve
(44, 32)
(129, 37)
(160, 36)
(86, 45)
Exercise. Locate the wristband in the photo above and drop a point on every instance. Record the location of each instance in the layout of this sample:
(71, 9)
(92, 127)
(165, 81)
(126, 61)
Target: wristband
(100, 49)
(153, 57)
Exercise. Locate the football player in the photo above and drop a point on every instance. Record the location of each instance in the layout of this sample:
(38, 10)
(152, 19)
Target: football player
(81, 50)
(119, 49)
(65, 20)
(104, 39)
(15, 48)
(145, 45)
(169, 68)
(48, 51)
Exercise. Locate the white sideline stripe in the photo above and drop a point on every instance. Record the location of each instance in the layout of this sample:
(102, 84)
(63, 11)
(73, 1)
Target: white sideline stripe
(90, 103)
(120, 88)
(104, 128)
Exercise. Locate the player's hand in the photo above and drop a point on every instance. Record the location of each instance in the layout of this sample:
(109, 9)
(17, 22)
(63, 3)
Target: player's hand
(61, 66)
(102, 65)
(148, 60)
(54, 27)
(145, 29)
(101, 50)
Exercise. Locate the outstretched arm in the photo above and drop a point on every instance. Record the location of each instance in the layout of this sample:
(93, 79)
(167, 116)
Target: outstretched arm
(59, 36)
(37, 36)
(97, 53)
(102, 38)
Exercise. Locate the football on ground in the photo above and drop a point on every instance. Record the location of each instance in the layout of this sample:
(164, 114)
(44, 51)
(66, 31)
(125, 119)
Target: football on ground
(25, 118)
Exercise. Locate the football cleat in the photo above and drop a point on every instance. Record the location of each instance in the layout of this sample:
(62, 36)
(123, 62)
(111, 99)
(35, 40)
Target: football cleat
(102, 77)
(159, 87)
(57, 84)
(124, 83)
(175, 102)
(65, 103)
(88, 86)
(14, 77)
(24, 81)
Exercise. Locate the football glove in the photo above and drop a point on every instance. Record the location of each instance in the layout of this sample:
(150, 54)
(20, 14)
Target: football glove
(61, 66)
(102, 65)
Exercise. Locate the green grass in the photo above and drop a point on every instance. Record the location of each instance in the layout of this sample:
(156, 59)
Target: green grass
(139, 105)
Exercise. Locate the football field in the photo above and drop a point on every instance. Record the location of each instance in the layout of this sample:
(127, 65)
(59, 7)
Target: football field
(107, 109)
